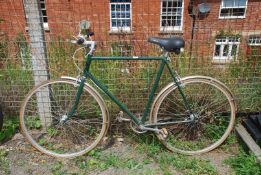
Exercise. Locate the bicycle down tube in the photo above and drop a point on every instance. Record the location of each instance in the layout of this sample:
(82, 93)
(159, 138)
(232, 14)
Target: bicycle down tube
(87, 74)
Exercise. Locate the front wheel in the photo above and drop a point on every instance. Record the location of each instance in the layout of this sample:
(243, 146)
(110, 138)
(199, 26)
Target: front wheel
(45, 122)
(208, 124)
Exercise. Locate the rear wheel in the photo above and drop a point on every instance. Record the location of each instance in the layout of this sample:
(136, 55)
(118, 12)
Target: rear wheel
(44, 118)
(211, 121)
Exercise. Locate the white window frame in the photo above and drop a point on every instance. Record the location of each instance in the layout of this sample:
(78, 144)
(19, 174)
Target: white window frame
(223, 41)
(254, 40)
(121, 29)
(171, 28)
(45, 24)
(235, 7)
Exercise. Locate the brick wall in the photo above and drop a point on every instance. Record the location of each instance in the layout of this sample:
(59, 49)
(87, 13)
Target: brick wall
(63, 18)
(12, 14)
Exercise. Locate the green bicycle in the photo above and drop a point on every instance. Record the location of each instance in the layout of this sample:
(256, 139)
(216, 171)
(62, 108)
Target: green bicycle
(68, 117)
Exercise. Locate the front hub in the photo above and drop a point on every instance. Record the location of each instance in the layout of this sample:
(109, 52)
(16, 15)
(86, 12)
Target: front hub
(64, 118)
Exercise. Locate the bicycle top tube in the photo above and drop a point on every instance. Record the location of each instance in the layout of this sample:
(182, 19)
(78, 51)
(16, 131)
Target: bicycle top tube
(128, 58)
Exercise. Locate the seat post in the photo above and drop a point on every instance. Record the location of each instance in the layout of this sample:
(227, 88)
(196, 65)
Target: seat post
(165, 53)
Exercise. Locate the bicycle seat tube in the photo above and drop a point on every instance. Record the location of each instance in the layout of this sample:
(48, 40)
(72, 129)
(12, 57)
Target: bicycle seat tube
(177, 81)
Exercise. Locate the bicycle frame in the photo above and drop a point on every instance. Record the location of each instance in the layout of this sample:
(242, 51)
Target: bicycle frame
(164, 62)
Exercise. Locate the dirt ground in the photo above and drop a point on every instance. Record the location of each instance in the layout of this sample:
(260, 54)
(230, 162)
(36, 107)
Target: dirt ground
(20, 158)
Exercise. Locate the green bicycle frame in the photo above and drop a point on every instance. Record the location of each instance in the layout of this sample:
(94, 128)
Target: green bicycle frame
(164, 62)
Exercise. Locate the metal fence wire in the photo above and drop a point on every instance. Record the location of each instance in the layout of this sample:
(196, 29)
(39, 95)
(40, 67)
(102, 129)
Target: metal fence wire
(224, 43)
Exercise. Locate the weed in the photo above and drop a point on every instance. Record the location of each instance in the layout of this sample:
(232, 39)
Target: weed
(10, 127)
(183, 163)
(42, 141)
(96, 161)
(148, 144)
(169, 161)
(150, 149)
(230, 143)
(112, 160)
(95, 153)
(33, 122)
(244, 164)
(217, 129)
(133, 164)
(186, 164)
(81, 162)
(4, 163)
(146, 161)
(57, 168)
(52, 131)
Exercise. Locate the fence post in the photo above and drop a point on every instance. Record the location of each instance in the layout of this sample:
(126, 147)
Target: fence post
(38, 58)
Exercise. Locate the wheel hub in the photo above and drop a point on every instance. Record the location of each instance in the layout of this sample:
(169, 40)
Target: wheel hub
(64, 118)
(194, 117)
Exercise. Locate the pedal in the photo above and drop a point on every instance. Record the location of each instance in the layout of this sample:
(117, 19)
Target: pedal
(163, 134)
(165, 131)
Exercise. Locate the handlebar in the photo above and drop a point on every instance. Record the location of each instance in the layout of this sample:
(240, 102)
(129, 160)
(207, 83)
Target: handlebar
(81, 40)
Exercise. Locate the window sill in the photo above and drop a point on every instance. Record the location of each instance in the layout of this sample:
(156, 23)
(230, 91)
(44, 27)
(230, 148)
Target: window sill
(232, 17)
(254, 45)
(46, 29)
(179, 32)
(222, 61)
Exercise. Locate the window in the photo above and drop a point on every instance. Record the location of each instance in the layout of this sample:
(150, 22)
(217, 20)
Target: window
(44, 15)
(226, 48)
(120, 14)
(233, 9)
(254, 40)
(171, 15)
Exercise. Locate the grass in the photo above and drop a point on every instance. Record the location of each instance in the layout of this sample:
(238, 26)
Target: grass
(241, 162)
(100, 161)
(244, 164)
(168, 162)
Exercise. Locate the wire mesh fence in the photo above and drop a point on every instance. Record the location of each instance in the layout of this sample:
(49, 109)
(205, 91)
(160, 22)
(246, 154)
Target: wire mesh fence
(224, 43)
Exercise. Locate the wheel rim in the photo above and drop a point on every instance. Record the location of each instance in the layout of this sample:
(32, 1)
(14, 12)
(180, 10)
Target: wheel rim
(213, 116)
(45, 128)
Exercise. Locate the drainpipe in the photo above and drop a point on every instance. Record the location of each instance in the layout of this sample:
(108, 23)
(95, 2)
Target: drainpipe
(191, 10)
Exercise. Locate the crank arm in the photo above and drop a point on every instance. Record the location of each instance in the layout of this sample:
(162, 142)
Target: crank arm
(142, 127)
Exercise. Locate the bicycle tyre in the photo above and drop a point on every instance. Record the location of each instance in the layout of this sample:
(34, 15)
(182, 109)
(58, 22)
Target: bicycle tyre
(44, 109)
(214, 109)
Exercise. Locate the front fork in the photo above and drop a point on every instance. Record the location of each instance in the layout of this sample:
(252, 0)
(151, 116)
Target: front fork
(80, 85)
(72, 111)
